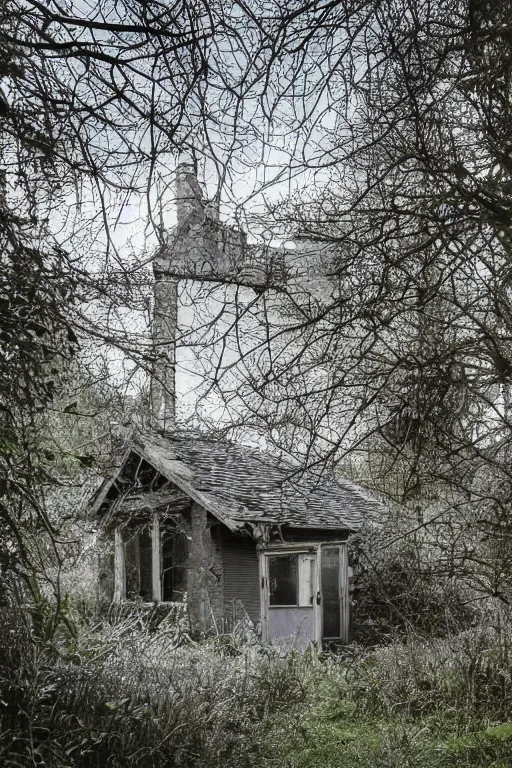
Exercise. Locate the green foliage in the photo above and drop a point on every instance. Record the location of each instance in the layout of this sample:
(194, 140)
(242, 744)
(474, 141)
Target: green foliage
(130, 690)
(466, 677)
(439, 704)
(136, 698)
(492, 746)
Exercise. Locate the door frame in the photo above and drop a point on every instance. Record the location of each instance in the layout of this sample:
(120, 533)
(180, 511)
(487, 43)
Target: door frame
(343, 589)
(308, 548)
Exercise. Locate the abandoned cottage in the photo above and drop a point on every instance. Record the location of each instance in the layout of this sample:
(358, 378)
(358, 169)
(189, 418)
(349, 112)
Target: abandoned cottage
(232, 531)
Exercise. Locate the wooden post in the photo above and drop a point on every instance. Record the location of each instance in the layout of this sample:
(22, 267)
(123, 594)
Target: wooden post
(119, 567)
(263, 597)
(156, 559)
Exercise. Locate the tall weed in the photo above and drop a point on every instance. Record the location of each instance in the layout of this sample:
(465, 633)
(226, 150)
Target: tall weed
(125, 695)
(466, 676)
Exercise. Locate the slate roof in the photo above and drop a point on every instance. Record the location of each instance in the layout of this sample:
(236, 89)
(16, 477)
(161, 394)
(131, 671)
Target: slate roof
(240, 485)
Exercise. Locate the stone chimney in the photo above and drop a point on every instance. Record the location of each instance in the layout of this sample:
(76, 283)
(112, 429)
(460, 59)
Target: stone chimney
(163, 381)
(189, 197)
(190, 216)
(200, 247)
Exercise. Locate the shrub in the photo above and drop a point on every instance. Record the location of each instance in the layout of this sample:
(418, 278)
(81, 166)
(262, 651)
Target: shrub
(125, 695)
(402, 587)
(467, 677)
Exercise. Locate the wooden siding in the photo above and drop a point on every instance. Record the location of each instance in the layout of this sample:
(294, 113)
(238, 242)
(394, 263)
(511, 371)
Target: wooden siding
(291, 627)
(241, 576)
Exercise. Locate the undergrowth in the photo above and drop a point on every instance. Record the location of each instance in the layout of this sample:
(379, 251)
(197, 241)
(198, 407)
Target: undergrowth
(429, 703)
(122, 693)
(128, 691)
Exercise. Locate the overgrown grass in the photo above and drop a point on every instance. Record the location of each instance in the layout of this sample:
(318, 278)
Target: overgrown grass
(127, 691)
(127, 695)
(434, 703)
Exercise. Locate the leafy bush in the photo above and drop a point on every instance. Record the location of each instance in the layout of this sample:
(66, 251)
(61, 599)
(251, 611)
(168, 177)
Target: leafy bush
(402, 587)
(126, 695)
(466, 677)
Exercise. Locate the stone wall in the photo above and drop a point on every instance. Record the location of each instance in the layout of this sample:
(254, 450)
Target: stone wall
(205, 574)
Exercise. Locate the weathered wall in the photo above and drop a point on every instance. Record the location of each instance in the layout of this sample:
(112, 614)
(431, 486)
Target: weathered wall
(204, 581)
(241, 576)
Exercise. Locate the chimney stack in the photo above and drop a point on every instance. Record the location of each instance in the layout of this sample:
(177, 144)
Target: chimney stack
(190, 212)
(163, 381)
(189, 197)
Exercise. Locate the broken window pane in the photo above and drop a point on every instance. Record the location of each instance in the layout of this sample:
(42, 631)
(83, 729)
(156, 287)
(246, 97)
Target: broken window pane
(282, 572)
(145, 565)
(138, 564)
(174, 570)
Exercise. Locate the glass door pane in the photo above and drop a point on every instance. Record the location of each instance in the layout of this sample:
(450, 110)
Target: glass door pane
(282, 579)
(330, 576)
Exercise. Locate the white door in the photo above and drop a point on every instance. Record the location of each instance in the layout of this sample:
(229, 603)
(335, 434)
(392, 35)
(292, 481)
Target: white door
(290, 599)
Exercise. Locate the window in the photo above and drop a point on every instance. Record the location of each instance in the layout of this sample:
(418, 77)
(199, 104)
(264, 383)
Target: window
(138, 565)
(151, 562)
(283, 580)
(174, 565)
(291, 580)
(331, 592)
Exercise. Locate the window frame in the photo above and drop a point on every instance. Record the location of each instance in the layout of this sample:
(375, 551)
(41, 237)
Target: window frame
(301, 558)
(156, 565)
(138, 563)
